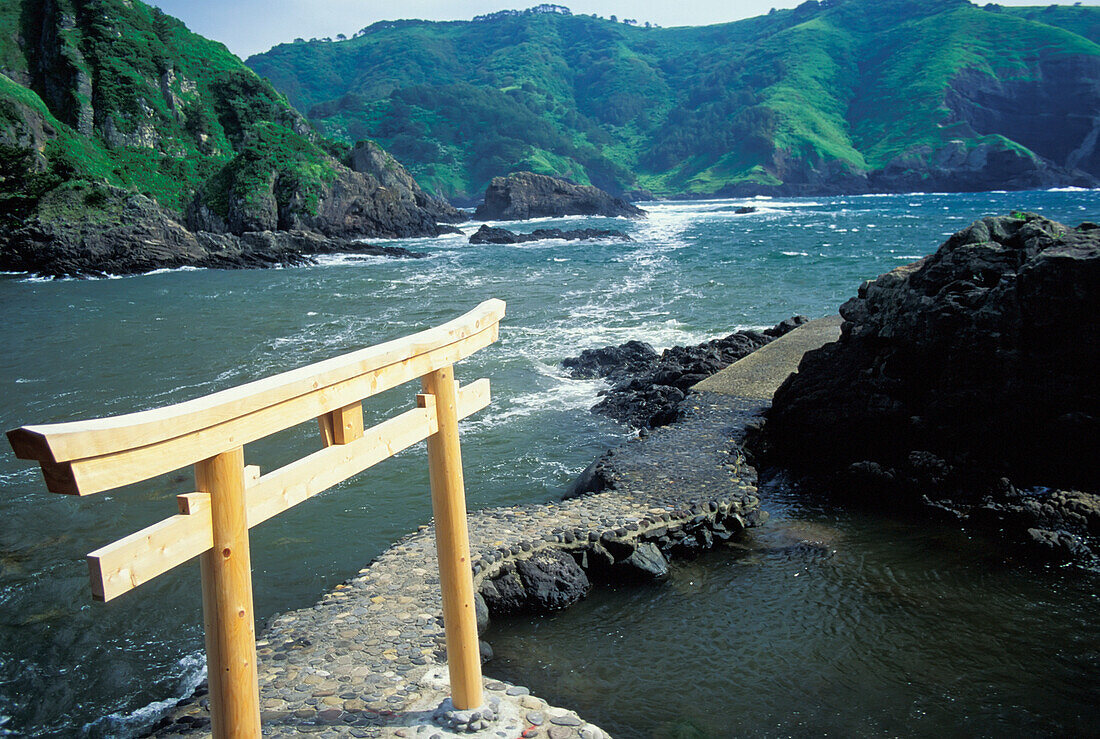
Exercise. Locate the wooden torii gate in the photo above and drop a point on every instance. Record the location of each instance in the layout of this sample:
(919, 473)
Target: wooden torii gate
(85, 457)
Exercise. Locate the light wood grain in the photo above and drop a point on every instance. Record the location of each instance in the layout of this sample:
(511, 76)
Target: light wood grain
(453, 542)
(64, 442)
(342, 425)
(236, 701)
(123, 565)
(96, 474)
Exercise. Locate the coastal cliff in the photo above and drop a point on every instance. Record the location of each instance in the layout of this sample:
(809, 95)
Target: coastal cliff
(964, 383)
(128, 143)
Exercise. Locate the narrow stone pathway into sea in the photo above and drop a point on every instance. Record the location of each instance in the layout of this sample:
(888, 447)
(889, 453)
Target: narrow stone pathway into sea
(368, 660)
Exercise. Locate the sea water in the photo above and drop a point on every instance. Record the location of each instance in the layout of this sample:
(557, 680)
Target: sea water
(765, 645)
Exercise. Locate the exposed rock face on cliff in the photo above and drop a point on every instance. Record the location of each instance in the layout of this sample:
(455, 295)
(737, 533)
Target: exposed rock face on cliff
(961, 376)
(524, 195)
(369, 158)
(128, 143)
(646, 387)
(348, 205)
(491, 235)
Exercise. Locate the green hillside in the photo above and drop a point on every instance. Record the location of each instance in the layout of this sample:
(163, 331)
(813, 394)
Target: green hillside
(838, 95)
(116, 93)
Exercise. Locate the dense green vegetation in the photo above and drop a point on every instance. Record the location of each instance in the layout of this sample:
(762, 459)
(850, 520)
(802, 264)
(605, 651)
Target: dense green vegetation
(836, 87)
(115, 92)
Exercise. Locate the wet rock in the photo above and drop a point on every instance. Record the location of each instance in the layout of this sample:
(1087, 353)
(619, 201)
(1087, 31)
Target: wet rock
(646, 389)
(613, 362)
(136, 235)
(552, 580)
(504, 594)
(493, 235)
(645, 563)
(974, 364)
(481, 613)
(524, 195)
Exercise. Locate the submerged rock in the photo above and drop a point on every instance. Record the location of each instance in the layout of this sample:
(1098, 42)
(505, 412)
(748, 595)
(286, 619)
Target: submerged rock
(492, 235)
(524, 195)
(974, 364)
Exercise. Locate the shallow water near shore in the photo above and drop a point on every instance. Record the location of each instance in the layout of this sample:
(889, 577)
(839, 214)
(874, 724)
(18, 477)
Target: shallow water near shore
(81, 349)
(825, 622)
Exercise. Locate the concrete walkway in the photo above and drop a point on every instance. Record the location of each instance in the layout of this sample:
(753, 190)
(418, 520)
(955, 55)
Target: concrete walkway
(759, 375)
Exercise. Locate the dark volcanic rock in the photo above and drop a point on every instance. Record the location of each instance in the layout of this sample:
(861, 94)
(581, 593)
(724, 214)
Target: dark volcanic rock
(524, 195)
(613, 362)
(548, 580)
(491, 235)
(974, 364)
(130, 234)
(645, 563)
(646, 388)
(552, 580)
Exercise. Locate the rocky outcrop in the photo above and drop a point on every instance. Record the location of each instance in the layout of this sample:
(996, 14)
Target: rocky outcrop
(524, 195)
(965, 382)
(127, 233)
(646, 388)
(547, 581)
(490, 235)
(371, 159)
(348, 204)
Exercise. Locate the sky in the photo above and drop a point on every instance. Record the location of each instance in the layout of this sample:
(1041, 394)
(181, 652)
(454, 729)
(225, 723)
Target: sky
(250, 26)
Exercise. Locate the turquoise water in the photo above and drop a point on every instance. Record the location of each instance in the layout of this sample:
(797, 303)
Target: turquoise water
(80, 349)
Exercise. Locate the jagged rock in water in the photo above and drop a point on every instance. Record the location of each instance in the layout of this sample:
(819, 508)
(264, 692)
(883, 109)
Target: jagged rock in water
(645, 563)
(647, 388)
(613, 362)
(493, 235)
(524, 195)
(974, 364)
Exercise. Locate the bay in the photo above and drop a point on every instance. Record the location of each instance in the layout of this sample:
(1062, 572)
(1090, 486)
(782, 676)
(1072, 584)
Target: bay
(79, 349)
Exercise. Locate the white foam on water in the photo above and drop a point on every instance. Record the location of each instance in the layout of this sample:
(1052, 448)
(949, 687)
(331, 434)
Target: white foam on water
(796, 253)
(1072, 189)
(192, 673)
(167, 270)
(567, 394)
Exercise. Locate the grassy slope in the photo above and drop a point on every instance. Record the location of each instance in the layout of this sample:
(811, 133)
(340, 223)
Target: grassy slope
(162, 145)
(674, 110)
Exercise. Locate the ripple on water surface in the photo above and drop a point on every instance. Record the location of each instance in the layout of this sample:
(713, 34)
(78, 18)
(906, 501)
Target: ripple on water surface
(698, 270)
(825, 623)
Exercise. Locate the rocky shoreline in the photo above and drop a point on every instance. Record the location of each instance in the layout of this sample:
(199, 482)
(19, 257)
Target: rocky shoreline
(964, 385)
(524, 195)
(647, 388)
